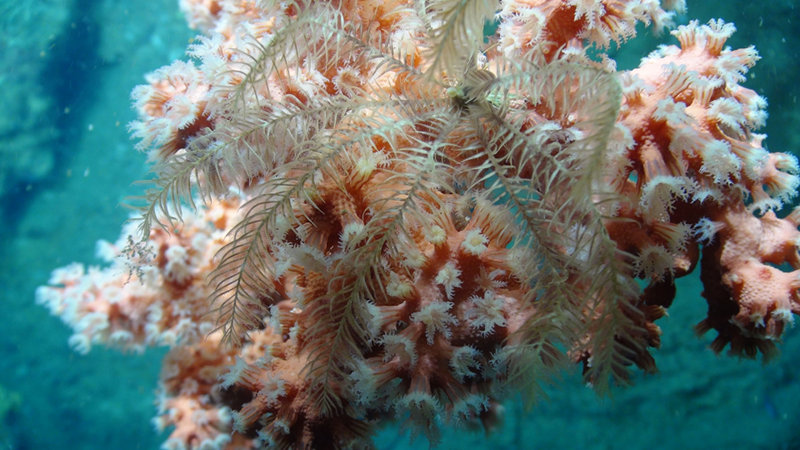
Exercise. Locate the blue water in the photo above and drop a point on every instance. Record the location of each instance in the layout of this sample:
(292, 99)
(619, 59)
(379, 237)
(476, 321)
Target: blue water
(66, 165)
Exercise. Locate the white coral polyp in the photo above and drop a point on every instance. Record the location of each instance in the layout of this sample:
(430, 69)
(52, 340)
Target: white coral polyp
(720, 163)
(474, 242)
(177, 269)
(436, 318)
(486, 312)
(449, 278)
(465, 362)
(672, 112)
(659, 196)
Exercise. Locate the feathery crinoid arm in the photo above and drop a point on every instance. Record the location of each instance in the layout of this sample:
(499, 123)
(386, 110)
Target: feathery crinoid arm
(357, 166)
(361, 161)
(544, 134)
(374, 196)
(263, 104)
(455, 32)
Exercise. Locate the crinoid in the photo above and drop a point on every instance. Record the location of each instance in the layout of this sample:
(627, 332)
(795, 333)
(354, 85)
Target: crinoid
(424, 218)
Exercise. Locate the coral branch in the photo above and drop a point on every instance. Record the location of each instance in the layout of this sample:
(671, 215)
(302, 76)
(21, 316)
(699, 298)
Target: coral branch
(370, 211)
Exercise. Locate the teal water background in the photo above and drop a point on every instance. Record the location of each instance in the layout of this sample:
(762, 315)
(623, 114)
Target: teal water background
(66, 165)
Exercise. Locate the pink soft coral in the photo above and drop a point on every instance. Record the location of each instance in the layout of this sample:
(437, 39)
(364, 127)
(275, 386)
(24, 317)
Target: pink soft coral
(389, 227)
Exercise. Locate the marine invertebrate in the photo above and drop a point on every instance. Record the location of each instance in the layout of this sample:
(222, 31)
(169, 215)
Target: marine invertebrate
(408, 219)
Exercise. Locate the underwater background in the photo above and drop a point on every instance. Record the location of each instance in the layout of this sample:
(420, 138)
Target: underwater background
(67, 68)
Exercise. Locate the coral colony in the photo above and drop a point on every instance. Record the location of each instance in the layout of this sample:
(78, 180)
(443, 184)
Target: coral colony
(371, 211)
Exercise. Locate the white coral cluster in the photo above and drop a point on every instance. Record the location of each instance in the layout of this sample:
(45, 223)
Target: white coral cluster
(128, 304)
(693, 90)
